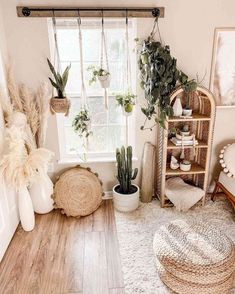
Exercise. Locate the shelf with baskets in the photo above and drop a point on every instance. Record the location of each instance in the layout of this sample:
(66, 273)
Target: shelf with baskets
(201, 125)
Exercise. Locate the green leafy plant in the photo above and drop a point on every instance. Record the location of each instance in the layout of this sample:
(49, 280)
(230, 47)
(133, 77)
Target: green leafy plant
(60, 81)
(189, 87)
(96, 72)
(125, 173)
(159, 76)
(81, 123)
(127, 101)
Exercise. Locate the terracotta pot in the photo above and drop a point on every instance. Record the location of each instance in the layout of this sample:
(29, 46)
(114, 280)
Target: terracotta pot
(60, 105)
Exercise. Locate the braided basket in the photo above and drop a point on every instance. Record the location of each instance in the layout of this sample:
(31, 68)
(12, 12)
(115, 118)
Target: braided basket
(78, 192)
(194, 258)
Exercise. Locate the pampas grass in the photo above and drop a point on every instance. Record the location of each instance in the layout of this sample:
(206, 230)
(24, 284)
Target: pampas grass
(17, 167)
(7, 107)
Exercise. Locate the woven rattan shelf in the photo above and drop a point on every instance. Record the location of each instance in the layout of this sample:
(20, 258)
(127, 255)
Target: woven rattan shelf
(202, 125)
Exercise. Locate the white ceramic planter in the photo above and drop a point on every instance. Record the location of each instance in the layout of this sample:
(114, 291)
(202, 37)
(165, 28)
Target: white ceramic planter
(187, 112)
(41, 191)
(104, 81)
(26, 212)
(126, 202)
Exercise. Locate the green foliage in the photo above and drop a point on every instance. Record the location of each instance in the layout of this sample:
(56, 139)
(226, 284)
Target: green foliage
(81, 123)
(60, 81)
(127, 101)
(96, 72)
(125, 174)
(159, 76)
(189, 87)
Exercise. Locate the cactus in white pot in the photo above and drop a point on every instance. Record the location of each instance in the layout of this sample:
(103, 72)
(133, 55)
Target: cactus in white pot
(125, 194)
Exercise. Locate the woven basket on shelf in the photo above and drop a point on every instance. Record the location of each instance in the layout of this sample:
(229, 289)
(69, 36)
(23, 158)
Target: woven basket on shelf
(78, 192)
(192, 257)
(60, 105)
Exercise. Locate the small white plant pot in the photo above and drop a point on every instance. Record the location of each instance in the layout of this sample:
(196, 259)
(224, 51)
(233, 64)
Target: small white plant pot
(185, 167)
(126, 202)
(187, 112)
(105, 81)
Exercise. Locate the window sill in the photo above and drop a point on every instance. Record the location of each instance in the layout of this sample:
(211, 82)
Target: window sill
(89, 160)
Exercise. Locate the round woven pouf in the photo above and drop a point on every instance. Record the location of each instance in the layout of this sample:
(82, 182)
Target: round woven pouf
(193, 257)
(78, 192)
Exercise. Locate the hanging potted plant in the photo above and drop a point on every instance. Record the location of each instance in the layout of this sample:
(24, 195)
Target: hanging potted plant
(60, 103)
(100, 74)
(125, 194)
(189, 87)
(82, 123)
(127, 102)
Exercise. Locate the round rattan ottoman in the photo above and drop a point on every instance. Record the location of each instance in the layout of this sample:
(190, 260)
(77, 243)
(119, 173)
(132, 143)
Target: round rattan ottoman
(195, 258)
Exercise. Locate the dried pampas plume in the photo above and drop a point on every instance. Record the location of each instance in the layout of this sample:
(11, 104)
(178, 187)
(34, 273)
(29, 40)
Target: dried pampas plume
(7, 107)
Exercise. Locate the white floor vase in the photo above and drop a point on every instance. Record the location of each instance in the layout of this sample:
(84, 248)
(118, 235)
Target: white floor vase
(26, 211)
(41, 191)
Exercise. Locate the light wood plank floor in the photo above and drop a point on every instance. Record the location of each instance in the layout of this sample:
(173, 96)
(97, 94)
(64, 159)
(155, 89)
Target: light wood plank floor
(65, 255)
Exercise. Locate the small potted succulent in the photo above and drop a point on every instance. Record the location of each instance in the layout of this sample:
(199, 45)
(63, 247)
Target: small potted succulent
(82, 123)
(99, 74)
(60, 103)
(125, 194)
(127, 102)
(189, 87)
(185, 165)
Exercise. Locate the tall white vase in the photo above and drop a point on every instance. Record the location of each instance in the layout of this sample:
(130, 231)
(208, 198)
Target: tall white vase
(177, 107)
(41, 191)
(26, 212)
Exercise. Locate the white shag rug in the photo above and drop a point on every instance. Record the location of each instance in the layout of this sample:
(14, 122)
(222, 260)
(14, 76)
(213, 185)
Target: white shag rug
(136, 231)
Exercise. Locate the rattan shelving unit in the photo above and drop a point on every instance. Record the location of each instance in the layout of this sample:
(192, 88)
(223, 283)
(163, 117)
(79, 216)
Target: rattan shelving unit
(202, 125)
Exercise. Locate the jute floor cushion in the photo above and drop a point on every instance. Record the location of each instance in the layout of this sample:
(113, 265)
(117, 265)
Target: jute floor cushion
(195, 258)
(78, 192)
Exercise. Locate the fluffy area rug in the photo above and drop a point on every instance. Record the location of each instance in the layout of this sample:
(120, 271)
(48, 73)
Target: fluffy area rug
(136, 231)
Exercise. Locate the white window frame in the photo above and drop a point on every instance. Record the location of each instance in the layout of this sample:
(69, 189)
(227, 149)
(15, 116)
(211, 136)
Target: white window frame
(64, 157)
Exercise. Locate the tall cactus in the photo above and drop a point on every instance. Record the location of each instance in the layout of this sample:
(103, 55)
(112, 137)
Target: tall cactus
(125, 174)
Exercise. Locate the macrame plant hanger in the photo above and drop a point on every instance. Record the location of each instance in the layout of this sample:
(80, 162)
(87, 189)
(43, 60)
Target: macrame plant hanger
(84, 104)
(128, 73)
(104, 53)
(56, 58)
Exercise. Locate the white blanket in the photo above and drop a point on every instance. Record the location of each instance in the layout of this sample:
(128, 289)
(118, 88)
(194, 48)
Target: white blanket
(182, 195)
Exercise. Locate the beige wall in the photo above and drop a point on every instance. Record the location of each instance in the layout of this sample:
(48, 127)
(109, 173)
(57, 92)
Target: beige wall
(188, 28)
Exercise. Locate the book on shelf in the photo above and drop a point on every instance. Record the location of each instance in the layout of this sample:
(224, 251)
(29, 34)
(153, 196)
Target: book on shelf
(184, 142)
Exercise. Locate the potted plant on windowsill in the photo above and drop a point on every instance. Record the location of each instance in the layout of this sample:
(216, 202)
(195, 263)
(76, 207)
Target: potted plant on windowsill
(60, 103)
(127, 102)
(100, 74)
(125, 194)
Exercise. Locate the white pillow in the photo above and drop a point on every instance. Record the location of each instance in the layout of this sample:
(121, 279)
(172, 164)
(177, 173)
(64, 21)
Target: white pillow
(182, 195)
(229, 158)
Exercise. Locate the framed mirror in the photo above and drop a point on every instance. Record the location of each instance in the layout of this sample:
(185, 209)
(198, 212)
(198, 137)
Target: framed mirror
(222, 81)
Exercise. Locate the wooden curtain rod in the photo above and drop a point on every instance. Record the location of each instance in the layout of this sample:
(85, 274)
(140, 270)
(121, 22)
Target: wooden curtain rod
(44, 11)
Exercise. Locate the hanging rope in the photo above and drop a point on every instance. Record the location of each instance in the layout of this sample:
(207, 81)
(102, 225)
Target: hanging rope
(56, 51)
(156, 30)
(104, 50)
(128, 64)
(83, 88)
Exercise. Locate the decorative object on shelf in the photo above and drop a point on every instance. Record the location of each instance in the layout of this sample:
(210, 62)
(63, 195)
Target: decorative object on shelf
(197, 147)
(78, 192)
(172, 133)
(184, 247)
(177, 107)
(185, 165)
(148, 172)
(127, 102)
(185, 131)
(59, 104)
(174, 163)
(125, 194)
(82, 123)
(226, 181)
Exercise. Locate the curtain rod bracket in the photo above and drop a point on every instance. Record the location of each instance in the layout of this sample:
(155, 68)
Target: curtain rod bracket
(156, 12)
(26, 11)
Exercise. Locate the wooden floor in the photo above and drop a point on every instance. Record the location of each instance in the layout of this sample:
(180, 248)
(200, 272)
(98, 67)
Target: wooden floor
(65, 255)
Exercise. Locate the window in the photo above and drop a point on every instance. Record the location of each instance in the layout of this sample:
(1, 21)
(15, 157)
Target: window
(108, 126)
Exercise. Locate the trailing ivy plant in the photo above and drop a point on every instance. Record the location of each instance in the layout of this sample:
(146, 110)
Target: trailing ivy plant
(159, 76)
(81, 123)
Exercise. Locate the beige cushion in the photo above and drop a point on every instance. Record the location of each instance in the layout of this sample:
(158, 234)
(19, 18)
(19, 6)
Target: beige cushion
(229, 158)
(228, 183)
